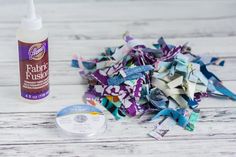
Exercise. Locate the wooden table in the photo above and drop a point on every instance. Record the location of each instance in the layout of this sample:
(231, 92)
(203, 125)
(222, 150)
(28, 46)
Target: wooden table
(86, 27)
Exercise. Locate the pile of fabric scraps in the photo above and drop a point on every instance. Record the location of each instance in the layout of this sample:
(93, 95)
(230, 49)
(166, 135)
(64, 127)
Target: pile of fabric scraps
(168, 80)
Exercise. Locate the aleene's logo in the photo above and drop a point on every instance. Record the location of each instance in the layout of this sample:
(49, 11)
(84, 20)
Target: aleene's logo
(37, 51)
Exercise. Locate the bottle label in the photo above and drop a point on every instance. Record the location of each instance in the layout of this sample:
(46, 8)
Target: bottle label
(34, 69)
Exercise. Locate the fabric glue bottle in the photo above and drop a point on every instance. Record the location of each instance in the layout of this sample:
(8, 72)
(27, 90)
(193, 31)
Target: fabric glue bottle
(33, 56)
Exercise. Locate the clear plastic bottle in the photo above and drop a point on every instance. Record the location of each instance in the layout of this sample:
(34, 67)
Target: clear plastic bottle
(33, 56)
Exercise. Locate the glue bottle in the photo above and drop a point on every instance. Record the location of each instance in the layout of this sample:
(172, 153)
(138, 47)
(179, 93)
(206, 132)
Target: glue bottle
(33, 56)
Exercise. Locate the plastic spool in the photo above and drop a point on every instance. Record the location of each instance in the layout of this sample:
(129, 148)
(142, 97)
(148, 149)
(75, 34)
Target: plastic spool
(81, 120)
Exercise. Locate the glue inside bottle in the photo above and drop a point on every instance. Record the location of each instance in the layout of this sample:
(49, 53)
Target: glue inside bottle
(33, 56)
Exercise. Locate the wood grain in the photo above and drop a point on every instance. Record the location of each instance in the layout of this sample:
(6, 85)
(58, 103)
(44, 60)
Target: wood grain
(64, 95)
(172, 28)
(85, 27)
(61, 73)
(61, 50)
(183, 148)
(123, 10)
(41, 128)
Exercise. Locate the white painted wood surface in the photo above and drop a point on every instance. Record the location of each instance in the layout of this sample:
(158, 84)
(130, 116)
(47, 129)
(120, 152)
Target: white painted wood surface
(86, 27)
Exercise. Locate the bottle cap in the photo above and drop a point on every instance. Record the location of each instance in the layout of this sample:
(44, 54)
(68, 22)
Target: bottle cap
(31, 21)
